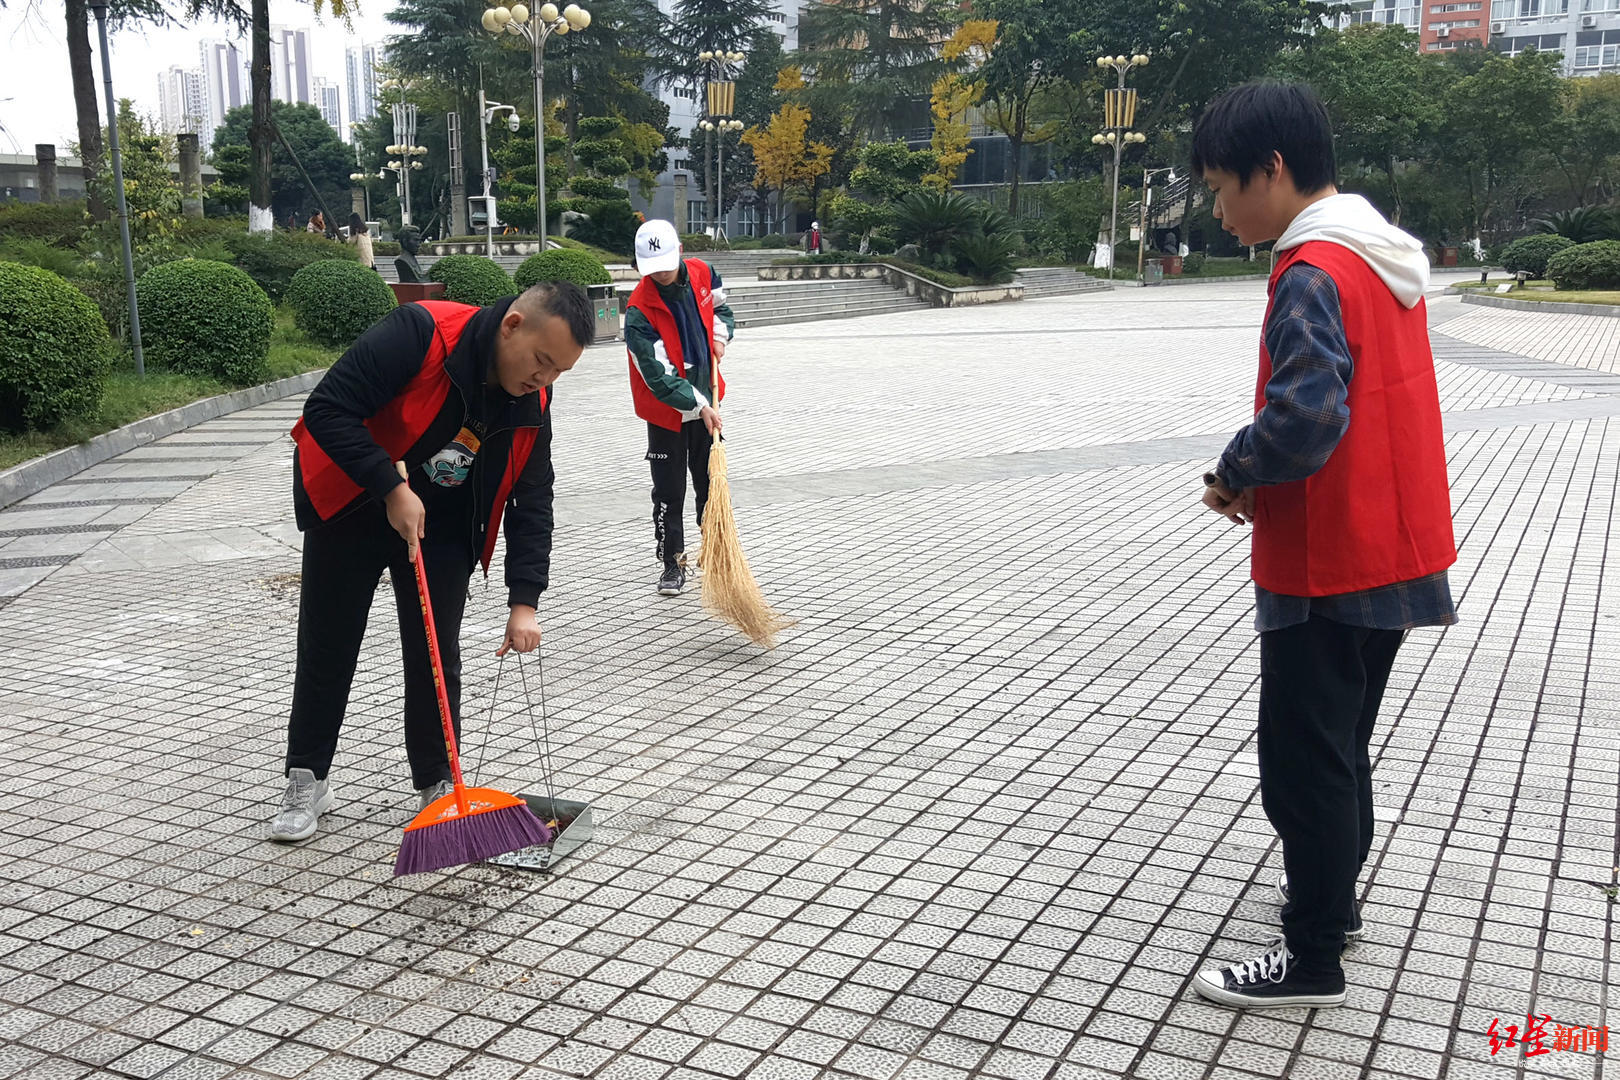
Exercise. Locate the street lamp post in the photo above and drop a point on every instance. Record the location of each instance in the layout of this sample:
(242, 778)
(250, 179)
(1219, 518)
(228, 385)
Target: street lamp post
(360, 176)
(100, 8)
(487, 111)
(720, 98)
(545, 22)
(1147, 194)
(1119, 113)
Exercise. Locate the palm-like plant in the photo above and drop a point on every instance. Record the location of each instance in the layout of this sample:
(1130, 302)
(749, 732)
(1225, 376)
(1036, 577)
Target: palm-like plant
(1584, 224)
(933, 219)
(986, 258)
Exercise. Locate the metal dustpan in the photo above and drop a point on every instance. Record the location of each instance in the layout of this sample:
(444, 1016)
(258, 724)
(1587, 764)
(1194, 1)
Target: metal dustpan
(569, 820)
(571, 826)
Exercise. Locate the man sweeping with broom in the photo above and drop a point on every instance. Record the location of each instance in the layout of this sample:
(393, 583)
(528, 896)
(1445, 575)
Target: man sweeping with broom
(676, 327)
(432, 427)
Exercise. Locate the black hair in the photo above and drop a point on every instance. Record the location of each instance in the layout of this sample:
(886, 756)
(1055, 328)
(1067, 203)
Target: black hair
(1241, 129)
(356, 225)
(568, 302)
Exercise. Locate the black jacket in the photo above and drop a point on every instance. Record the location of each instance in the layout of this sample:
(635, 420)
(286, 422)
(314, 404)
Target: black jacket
(373, 372)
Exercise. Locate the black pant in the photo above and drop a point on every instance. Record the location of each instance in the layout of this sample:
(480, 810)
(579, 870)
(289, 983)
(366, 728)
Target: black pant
(343, 561)
(672, 454)
(1321, 684)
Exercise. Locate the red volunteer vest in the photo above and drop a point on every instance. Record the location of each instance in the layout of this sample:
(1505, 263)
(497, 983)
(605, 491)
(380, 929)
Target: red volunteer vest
(645, 298)
(1379, 511)
(404, 420)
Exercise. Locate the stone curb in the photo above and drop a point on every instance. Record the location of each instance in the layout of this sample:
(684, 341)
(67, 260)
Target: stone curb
(32, 477)
(1610, 310)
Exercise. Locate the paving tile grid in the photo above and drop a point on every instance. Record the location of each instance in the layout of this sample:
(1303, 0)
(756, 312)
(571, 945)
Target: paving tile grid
(982, 814)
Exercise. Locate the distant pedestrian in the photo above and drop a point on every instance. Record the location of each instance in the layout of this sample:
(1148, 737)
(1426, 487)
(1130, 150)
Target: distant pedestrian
(1343, 476)
(317, 224)
(360, 237)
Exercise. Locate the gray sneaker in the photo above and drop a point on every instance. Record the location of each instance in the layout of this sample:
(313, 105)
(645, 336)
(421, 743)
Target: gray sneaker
(429, 794)
(301, 808)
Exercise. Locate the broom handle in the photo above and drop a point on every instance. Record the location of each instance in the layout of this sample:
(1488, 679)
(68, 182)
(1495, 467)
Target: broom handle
(438, 674)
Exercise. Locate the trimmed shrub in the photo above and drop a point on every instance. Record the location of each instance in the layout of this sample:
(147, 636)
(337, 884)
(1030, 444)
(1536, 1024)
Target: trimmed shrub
(60, 224)
(272, 258)
(591, 187)
(776, 240)
(561, 265)
(1530, 253)
(205, 318)
(472, 279)
(1193, 263)
(693, 241)
(54, 350)
(334, 301)
(1587, 266)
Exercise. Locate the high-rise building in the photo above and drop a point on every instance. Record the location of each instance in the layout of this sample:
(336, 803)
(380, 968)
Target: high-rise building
(290, 75)
(361, 68)
(1587, 32)
(224, 84)
(181, 102)
(328, 98)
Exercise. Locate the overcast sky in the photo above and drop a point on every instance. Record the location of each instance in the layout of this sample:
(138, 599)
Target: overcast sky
(34, 62)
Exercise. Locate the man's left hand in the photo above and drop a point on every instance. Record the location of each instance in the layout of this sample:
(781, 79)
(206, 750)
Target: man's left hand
(522, 631)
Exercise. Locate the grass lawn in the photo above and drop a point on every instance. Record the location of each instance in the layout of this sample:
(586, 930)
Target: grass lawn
(130, 398)
(1543, 292)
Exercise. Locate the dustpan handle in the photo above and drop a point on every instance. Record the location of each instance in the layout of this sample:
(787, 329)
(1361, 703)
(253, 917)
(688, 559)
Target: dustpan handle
(445, 720)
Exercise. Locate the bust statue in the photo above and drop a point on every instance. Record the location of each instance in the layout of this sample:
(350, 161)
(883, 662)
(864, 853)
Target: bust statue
(410, 271)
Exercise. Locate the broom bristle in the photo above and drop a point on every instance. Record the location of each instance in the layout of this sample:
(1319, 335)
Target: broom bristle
(729, 589)
(441, 836)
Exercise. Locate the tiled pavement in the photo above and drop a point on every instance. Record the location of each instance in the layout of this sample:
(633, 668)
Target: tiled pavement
(981, 815)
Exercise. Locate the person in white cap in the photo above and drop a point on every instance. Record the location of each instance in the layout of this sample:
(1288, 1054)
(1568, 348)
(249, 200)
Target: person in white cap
(676, 327)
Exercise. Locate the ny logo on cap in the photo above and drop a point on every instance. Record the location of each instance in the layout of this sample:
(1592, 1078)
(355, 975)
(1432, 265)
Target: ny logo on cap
(652, 243)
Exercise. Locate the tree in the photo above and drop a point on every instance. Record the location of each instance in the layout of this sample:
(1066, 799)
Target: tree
(1588, 147)
(261, 133)
(783, 159)
(1380, 94)
(953, 94)
(884, 53)
(1036, 44)
(887, 173)
(324, 156)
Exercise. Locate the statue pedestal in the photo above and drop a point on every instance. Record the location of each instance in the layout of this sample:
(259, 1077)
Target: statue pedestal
(405, 293)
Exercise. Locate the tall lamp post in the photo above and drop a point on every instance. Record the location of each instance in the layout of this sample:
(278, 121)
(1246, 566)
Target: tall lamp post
(1147, 197)
(535, 30)
(1119, 113)
(405, 148)
(360, 176)
(720, 98)
(487, 111)
(100, 8)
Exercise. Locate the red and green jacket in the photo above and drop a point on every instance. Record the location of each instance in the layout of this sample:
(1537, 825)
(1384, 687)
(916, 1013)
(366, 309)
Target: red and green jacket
(664, 330)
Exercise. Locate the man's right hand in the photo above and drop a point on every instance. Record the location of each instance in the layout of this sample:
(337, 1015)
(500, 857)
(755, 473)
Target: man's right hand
(408, 517)
(710, 418)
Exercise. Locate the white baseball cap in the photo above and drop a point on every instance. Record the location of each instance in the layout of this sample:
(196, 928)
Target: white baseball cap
(658, 247)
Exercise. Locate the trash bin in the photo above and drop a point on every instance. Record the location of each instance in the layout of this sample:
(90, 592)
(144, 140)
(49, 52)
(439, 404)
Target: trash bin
(1154, 273)
(605, 299)
(1448, 256)
(1172, 265)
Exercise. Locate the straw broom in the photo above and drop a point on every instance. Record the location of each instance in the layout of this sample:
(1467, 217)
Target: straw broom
(729, 589)
(469, 824)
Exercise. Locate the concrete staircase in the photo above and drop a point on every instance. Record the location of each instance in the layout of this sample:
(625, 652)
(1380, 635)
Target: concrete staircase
(1042, 281)
(772, 303)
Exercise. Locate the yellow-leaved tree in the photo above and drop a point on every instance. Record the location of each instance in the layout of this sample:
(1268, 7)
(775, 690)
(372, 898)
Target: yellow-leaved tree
(954, 94)
(784, 159)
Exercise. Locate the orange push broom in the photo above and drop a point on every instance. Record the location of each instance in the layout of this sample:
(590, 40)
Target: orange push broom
(469, 824)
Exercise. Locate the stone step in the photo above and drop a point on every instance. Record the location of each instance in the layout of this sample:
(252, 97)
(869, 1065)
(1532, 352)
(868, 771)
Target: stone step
(781, 316)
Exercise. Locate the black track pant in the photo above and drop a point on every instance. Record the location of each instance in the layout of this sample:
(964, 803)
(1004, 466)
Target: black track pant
(672, 454)
(343, 561)
(1321, 683)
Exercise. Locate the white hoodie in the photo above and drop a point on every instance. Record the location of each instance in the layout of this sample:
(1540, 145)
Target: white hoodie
(1397, 257)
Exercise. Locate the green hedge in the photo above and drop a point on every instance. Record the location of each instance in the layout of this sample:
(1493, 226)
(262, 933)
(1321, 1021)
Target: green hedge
(1586, 266)
(472, 279)
(54, 351)
(59, 224)
(561, 265)
(205, 318)
(334, 301)
(1530, 253)
(693, 241)
(1193, 263)
(272, 258)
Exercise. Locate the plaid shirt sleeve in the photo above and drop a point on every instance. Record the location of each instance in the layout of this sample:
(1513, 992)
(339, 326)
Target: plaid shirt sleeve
(1306, 407)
